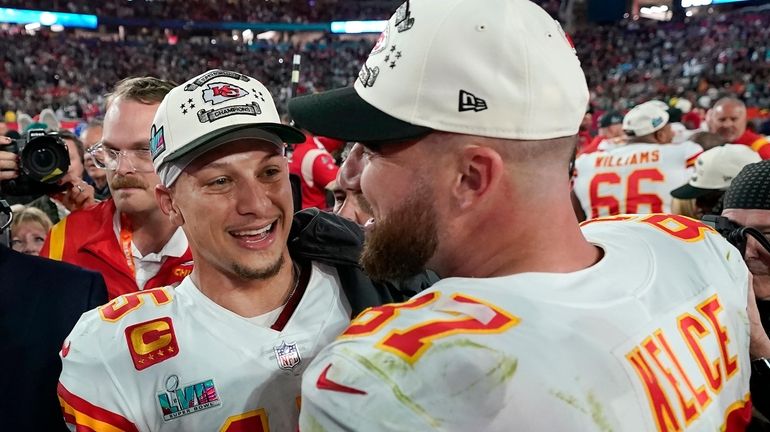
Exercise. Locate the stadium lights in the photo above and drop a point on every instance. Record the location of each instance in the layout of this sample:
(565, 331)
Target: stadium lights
(358, 26)
(693, 3)
(24, 16)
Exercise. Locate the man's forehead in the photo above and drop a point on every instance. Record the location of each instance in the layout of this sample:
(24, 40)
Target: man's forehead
(758, 218)
(730, 109)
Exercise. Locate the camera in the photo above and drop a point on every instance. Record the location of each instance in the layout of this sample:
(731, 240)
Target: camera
(44, 160)
(731, 231)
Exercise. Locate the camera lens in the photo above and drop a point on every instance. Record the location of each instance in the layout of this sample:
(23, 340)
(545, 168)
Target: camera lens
(42, 160)
(45, 159)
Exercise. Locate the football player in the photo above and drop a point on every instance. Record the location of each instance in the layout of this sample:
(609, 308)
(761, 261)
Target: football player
(468, 112)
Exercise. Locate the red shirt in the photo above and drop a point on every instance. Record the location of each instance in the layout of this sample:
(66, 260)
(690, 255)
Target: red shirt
(86, 238)
(316, 168)
(757, 142)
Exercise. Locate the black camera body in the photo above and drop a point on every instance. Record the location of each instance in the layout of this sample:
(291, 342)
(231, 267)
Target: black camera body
(44, 160)
(731, 231)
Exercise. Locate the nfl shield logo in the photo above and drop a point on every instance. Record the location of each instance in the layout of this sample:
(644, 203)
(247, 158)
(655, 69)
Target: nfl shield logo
(287, 355)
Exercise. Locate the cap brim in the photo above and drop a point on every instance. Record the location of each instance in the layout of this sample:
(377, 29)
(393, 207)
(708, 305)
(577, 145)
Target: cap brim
(286, 134)
(689, 192)
(344, 115)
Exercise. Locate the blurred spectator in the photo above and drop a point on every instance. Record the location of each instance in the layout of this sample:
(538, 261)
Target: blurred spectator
(728, 119)
(313, 163)
(126, 238)
(92, 135)
(708, 140)
(714, 171)
(28, 230)
(349, 202)
(610, 133)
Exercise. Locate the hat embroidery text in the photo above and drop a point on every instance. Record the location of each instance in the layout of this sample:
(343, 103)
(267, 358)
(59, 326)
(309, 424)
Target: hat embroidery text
(404, 20)
(157, 142)
(216, 114)
(203, 79)
(219, 92)
(368, 75)
(657, 121)
(470, 102)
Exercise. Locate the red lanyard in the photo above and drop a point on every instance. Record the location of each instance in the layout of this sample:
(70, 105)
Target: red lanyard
(125, 242)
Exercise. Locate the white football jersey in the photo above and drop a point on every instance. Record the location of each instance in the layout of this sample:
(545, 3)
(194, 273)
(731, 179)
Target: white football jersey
(654, 337)
(173, 360)
(633, 179)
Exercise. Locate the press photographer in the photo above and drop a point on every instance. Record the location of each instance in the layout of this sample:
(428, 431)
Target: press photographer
(48, 165)
(745, 222)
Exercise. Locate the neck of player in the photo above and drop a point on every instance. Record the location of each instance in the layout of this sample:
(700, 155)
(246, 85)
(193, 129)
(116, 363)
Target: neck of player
(245, 297)
(150, 231)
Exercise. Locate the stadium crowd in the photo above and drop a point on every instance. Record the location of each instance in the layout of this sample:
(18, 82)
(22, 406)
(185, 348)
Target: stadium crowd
(627, 63)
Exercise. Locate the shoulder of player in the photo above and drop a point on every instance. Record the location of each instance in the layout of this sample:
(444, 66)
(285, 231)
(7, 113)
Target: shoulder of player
(111, 319)
(101, 334)
(93, 213)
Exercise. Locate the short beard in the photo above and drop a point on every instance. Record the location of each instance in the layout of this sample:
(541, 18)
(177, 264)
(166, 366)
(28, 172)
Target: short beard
(400, 245)
(244, 273)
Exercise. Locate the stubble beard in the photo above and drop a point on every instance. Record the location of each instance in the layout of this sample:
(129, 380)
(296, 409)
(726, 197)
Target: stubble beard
(245, 273)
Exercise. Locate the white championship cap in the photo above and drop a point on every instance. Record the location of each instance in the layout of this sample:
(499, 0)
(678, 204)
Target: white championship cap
(209, 110)
(493, 68)
(645, 119)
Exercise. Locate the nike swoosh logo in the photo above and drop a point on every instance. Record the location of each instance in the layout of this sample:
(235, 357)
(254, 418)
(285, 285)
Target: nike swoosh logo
(65, 349)
(324, 383)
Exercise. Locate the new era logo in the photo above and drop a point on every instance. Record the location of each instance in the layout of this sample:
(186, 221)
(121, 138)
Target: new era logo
(469, 102)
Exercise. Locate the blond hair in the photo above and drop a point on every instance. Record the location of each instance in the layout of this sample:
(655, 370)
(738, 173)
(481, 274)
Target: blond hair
(147, 90)
(31, 214)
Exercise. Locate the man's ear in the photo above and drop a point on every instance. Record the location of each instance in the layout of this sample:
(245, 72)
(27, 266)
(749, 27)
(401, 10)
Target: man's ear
(480, 168)
(165, 199)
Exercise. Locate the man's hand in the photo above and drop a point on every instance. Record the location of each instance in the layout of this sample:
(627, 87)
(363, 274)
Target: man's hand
(9, 162)
(78, 194)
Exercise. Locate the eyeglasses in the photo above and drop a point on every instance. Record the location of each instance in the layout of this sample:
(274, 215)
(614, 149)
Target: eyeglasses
(109, 159)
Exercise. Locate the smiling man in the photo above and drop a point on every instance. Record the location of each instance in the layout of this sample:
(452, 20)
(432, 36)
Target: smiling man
(225, 350)
(469, 113)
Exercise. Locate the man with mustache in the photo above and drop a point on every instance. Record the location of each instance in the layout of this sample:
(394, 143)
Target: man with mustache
(126, 238)
(469, 113)
(728, 119)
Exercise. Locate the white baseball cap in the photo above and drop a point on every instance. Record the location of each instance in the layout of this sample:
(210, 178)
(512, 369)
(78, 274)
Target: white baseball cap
(494, 68)
(715, 170)
(209, 110)
(645, 119)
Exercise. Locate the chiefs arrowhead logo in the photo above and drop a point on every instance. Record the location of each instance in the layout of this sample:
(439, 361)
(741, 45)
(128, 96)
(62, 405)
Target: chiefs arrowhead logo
(219, 92)
(324, 383)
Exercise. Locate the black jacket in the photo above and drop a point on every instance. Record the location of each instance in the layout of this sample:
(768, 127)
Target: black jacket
(40, 302)
(335, 241)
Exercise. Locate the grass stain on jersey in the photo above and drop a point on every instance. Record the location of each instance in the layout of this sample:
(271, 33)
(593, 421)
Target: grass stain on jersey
(594, 408)
(506, 366)
(397, 392)
(597, 413)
